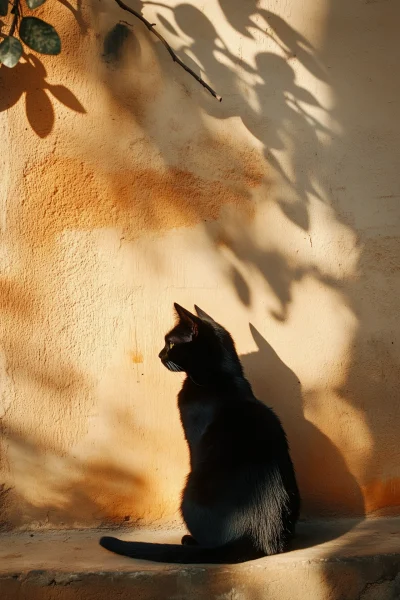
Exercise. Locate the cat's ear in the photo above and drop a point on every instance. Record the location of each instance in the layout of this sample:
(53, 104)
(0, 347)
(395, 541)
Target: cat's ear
(187, 317)
(203, 315)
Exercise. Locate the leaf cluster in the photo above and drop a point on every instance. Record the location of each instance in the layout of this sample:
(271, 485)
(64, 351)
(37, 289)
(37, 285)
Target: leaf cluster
(26, 29)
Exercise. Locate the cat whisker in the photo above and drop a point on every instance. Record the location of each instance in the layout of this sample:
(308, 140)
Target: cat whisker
(172, 366)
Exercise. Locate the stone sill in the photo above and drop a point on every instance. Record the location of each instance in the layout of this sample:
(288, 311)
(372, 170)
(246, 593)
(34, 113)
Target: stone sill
(332, 560)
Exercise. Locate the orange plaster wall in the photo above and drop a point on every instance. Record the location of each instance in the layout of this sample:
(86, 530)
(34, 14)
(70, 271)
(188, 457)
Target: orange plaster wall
(125, 187)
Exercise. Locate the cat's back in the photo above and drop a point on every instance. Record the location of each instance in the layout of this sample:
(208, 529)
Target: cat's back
(247, 429)
(229, 422)
(242, 445)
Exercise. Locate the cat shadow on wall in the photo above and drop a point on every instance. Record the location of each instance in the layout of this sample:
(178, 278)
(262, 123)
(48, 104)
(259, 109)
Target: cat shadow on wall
(327, 487)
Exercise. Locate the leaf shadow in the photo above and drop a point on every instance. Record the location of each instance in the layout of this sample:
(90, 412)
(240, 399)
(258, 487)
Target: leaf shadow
(29, 78)
(77, 12)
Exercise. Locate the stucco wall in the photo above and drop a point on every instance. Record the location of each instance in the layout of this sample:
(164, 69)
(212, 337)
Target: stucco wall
(125, 186)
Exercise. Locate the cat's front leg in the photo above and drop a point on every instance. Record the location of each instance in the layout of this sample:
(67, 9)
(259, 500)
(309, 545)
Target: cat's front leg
(188, 540)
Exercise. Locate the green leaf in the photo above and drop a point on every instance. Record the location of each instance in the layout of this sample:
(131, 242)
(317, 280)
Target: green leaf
(39, 36)
(10, 52)
(3, 8)
(35, 3)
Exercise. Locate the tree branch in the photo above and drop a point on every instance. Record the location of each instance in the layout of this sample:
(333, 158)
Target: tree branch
(16, 11)
(150, 27)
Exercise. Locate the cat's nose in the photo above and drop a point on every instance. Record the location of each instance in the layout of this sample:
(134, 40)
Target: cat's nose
(162, 353)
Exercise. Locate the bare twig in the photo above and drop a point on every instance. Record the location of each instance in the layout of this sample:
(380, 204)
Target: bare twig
(16, 12)
(150, 27)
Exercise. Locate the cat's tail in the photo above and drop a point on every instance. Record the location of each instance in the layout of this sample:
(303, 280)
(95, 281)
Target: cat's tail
(233, 552)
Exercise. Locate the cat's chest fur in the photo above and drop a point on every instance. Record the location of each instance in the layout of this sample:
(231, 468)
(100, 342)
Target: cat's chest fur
(197, 408)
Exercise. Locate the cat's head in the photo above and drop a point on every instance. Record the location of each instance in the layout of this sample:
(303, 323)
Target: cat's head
(199, 346)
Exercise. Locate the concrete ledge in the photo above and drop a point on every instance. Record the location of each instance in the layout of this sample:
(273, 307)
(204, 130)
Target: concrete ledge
(338, 560)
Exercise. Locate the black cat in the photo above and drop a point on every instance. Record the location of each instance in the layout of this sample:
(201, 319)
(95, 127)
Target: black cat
(241, 499)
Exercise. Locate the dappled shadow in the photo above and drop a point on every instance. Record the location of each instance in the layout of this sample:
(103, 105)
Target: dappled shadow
(312, 163)
(331, 154)
(26, 356)
(52, 487)
(277, 115)
(63, 453)
(281, 273)
(71, 453)
(262, 96)
(372, 382)
(365, 194)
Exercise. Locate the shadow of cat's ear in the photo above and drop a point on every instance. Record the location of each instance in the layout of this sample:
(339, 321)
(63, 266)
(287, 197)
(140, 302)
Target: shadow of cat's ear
(202, 314)
(260, 341)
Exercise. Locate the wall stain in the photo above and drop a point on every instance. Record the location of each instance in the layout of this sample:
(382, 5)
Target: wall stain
(136, 357)
(68, 194)
(382, 496)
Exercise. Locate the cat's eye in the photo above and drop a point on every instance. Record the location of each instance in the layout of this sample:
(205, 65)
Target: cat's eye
(171, 345)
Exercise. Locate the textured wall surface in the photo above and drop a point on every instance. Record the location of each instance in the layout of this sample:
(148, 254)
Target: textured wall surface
(125, 186)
